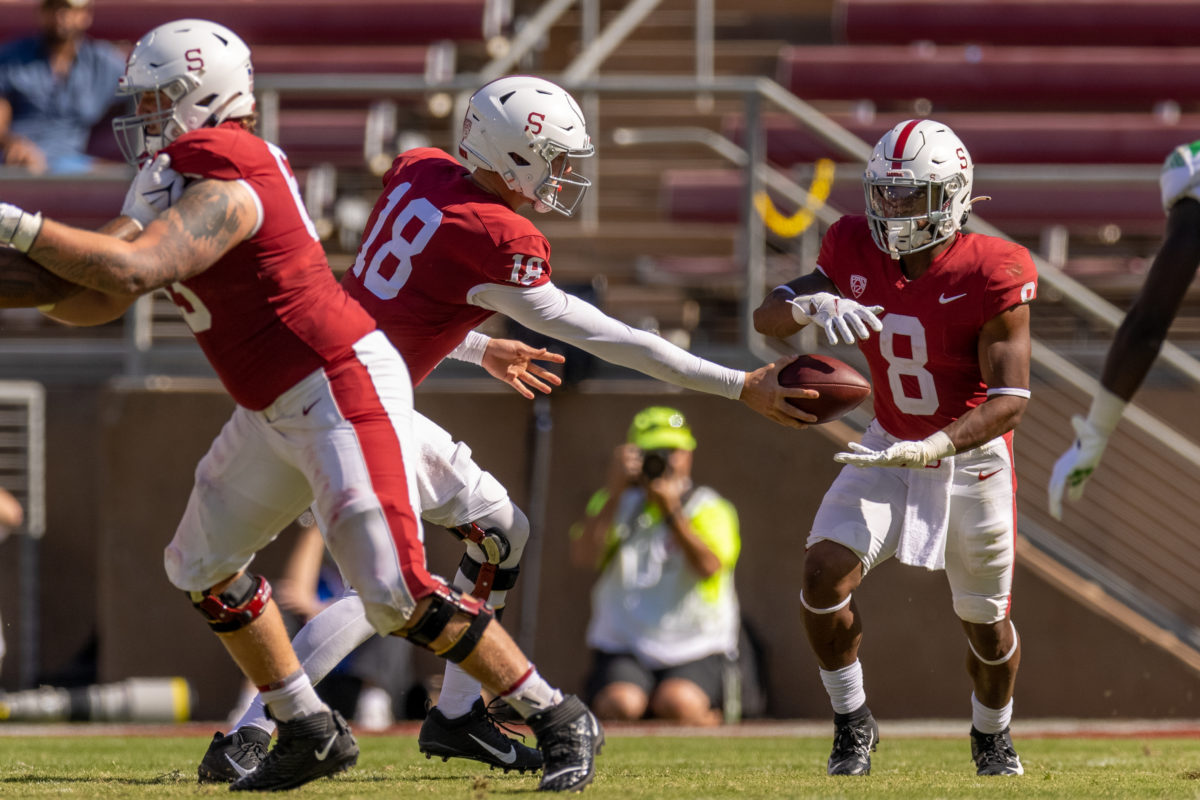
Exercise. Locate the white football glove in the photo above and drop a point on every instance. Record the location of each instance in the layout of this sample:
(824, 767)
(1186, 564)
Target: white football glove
(155, 188)
(18, 227)
(837, 315)
(914, 455)
(1074, 467)
(1178, 178)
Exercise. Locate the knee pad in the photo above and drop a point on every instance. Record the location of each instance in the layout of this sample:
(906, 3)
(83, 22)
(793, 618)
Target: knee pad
(979, 609)
(445, 602)
(239, 604)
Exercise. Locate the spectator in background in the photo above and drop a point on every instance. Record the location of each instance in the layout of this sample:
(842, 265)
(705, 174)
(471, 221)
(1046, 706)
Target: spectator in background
(665, 617)
(11, 516)
(54, 87)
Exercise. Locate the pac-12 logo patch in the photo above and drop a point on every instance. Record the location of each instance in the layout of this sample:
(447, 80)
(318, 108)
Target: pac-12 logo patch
(858, 285)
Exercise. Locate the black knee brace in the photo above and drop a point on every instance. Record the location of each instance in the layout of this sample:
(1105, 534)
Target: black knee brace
(242, 602)
(488, 577)
(444, 604)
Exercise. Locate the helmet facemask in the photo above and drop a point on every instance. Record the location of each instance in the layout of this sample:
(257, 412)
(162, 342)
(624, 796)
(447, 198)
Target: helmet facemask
(909, 215)
(562, 190)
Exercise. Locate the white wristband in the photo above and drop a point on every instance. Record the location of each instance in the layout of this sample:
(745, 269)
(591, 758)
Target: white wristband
(471, 348)
(1106, 411)
(28, 228)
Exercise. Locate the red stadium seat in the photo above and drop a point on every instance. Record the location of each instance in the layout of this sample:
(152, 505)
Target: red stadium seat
(83, 201)
(992, 77)
(1144, 23)
(715, 196)
(296, 22)
(1000, 137)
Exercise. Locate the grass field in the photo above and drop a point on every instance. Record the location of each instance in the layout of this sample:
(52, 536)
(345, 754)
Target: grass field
(630, 768)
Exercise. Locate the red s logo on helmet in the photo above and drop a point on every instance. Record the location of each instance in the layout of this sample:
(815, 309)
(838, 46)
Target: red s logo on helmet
(195, 61)
(533, 123)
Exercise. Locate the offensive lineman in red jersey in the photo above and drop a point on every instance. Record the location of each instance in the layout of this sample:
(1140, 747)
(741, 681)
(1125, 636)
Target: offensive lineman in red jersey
(442, 251)
(950, 367)
(324, 412)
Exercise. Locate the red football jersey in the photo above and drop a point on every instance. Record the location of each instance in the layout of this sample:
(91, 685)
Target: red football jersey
(433, 236)
(270, 311)
(925, 362)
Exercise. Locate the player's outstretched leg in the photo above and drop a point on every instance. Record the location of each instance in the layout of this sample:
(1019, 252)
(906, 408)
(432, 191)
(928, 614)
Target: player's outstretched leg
(308, 748)
(478, 736)
(235, 755)
(855, 736)
(570, 738)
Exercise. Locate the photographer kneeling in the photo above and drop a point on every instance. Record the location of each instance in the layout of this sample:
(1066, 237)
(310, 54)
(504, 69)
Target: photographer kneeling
(665, 616)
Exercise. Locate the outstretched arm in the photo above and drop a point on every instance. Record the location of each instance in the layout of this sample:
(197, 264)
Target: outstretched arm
(551, 311)
(210, 218)
(1134, 348)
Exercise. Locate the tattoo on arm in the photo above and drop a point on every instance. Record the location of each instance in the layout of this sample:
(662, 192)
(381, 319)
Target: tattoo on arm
(209, 219)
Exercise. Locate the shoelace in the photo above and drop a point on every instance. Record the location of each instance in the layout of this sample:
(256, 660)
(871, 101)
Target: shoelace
(853, 738)
(492, 716)
(995, 750)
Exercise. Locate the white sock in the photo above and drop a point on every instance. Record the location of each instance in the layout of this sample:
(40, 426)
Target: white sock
(321, 645)
(531, 694)
(459, 691)
(845, 687)
(990, 720)
(292, 697)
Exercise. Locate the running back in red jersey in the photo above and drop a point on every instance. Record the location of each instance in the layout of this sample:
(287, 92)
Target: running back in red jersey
(841, 386)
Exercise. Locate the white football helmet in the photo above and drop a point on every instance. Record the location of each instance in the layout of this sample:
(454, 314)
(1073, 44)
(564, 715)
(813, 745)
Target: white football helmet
(918, 187)
(201, 67)
(527, 130)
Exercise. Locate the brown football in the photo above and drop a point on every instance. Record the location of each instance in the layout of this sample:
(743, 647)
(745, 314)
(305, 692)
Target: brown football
(841, 386)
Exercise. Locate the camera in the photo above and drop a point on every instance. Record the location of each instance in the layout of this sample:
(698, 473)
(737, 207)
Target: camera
(654, 464)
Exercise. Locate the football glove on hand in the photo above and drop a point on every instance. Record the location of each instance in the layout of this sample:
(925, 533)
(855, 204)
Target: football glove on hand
(837, 315)
(1074, 467)
(155, 188)
(18, 227)
(914, 455)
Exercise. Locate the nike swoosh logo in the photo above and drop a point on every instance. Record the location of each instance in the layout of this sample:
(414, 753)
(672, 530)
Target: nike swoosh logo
(238, 768)
(507, 758)
(553, 775)
(983, 476)
(304, 411)
(943, 299)
(324, 751)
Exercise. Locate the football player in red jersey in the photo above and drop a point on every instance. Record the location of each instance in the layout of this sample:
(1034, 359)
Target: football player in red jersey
(443, 250)
(942, 317)
(324, 404)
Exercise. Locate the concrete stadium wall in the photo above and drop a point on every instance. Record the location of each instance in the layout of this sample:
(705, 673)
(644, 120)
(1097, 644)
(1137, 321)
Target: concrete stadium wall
(121, 462)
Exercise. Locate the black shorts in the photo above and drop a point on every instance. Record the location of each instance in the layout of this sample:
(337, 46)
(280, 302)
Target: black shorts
(708, 673)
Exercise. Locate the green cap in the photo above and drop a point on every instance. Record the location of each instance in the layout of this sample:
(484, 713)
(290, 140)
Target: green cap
(661, 428)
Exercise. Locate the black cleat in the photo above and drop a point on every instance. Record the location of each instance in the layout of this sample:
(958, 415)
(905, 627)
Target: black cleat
(570, 738)
(853, 741)
(234, 756)
(477, 736)
(307, 748)
(994, 753)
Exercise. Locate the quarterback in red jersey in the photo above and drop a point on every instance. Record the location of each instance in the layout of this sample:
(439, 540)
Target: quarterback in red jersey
(443, 250)
(324, 414)
(942, 317)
